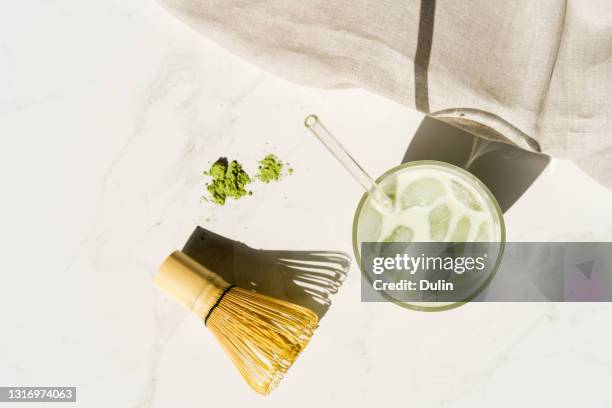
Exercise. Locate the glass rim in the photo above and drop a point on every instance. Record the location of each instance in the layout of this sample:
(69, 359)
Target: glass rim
(498, 213)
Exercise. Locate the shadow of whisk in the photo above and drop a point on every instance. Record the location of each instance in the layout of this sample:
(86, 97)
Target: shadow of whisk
(306, 278)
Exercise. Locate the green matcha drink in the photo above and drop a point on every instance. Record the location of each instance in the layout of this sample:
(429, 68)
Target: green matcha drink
(422, 206)
(432, 202)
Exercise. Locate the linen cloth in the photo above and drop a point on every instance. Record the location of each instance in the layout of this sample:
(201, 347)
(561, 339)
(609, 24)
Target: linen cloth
(537, 74)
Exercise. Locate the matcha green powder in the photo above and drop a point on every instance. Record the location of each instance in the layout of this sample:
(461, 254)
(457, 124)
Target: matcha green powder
(230, 179)
(270, 169)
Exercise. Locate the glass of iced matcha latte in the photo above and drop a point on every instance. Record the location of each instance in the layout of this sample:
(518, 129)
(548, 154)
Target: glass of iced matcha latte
(432, 202)
(427, 235)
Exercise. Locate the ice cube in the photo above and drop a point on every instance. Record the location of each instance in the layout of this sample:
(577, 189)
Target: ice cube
(483, 233)
(465, 196)
(462, 230)
(390, 188)
(439, 218)
(421, 193)
(400, 234)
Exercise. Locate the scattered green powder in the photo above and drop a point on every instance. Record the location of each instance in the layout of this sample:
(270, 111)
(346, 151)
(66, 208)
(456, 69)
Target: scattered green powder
(270, 169)
(227, 181)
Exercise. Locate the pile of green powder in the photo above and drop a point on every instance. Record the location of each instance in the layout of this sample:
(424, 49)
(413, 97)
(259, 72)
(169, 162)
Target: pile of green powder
(271, 169)
(230, 180)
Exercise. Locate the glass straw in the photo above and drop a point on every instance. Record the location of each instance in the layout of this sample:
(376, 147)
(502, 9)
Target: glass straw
(313, 124)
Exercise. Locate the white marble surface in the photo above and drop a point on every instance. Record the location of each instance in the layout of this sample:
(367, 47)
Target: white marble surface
(109, 113)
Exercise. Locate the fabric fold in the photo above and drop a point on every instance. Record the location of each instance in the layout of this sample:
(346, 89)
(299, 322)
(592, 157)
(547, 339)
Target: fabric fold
(535, 74)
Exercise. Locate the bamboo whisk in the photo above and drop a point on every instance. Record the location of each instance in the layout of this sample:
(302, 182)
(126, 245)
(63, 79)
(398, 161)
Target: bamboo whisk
(262, 335)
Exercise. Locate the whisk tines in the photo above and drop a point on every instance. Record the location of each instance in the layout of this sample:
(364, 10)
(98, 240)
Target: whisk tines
(262, 335)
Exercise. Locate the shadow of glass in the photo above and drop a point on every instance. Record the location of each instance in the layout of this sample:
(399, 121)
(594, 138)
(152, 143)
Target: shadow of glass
(306, 278)
(506, 170)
